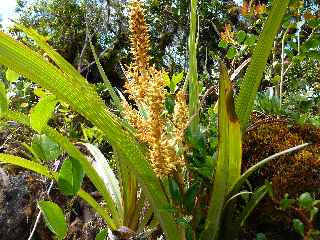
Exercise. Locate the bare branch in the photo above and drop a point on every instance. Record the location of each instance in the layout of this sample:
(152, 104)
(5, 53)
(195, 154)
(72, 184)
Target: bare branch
(238, 70)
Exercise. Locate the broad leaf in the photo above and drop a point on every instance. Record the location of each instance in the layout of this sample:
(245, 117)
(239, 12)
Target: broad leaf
(42, 112)
(45, 148)
(54, 218)
(70, 177)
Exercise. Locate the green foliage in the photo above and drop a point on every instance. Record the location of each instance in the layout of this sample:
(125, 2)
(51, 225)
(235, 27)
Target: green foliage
(214, 154)
(298, 226)
(173, 82)
(70, 177)
(228, 166)
(42, 112)
(305, 200)
(102, 235)
(307, 205)
(69, 86)
(4, 101)
(252, 79)
(54, 218)
(194, 89)
(44, 148)
(11, 76)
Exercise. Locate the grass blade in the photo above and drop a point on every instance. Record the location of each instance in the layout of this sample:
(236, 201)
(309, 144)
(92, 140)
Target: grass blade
(256, 197)
(105, 79)
(262, 163)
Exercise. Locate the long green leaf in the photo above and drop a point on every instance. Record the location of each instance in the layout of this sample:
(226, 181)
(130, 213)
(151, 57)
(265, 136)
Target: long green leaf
(228, 167)
(257, 196)
(105, 79)
(41, 41)
(194, 104)
(27, 164)
(235, 188)
(102, 167)
(83, 98)
(3, 99)
(129, 188)
(96, 206)
(254, 73)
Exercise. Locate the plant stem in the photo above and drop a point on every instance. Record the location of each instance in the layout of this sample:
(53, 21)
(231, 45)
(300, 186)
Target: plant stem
(56, 166)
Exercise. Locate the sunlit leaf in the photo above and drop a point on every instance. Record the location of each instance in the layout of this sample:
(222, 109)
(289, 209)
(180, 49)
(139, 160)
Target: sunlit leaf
(70, 177)
(42, 112)
(54, 218)
(45, 148)
(12, 76)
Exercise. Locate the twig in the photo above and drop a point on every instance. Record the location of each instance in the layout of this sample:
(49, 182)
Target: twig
(56, 166)
(82, 52)
(282, 66)
(215, 28)
(238, 70)
(291, 64)
(206, 94)
(94, 62)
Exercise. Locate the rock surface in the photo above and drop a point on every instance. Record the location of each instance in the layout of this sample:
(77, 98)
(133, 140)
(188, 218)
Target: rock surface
(13, 200)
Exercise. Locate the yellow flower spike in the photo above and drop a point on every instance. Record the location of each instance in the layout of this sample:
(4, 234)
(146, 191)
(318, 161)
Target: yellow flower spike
(146, 87)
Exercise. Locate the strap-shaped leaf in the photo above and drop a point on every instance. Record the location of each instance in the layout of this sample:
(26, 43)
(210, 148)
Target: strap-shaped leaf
(228, 166)
(254, 73)
(27, 164)
(102, 167)
(83, 98)
(237, 185)
(256, 197)
(114, 96)
(194, 104)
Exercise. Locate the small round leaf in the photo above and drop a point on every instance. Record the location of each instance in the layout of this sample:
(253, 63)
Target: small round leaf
(11, 76)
